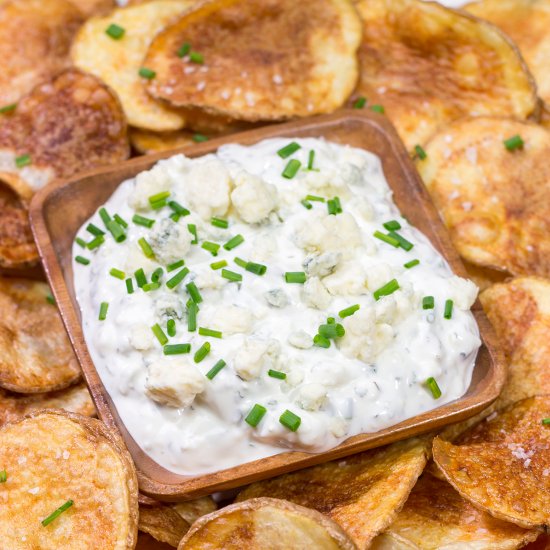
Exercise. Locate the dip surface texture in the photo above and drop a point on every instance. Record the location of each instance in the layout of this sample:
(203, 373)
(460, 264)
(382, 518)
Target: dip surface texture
(382, 331)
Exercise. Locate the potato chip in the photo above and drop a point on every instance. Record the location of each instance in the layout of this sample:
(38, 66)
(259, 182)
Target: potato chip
(362, 493)
(146, 142)
(147, 542)
(258, 60)
(526, 22)
(53, 458)
(435, 516)
(94, 7)
(495, 201)
(69, 125)
(35, 354)
(192, 510)
(502, 465)
(34, 43)
(428, 65)
(266, 524)
(163, 524)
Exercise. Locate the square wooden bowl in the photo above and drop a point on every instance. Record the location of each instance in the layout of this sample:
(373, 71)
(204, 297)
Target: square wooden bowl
(58, 211)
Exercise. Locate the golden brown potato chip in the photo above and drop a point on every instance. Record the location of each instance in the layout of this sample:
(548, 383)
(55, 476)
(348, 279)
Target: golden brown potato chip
(362, 493)
(35, 354)
(34, 43)
(266, 524)
(54, 457)
(484, 277)
(94, 7)
(146, 142)
(526, 22)
(502, 465)
(147, 542)
(69, 125)
(14, 406)
(163, 524)
(258, 60)
(428, 65)
(494, 201)
(435, 516)
(192, 510)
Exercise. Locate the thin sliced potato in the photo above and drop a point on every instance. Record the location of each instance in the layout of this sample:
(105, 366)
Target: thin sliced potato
(146, 142)
(147, 542)
(526, 22)
(163, 524)
(35, 354)
(502, 465)
(34, 43)
(263, 59)
(436, 517)
(362, 493)
(428, 65)
(94, 7)
(192, 510)
(52, 457)
(495, 202)
(266, 524)
(69, 125)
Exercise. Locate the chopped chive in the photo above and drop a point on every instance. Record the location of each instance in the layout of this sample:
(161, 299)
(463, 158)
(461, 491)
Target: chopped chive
(202, 352)
(96, 243)
(8, 108)
(255, 415)
(410, 264)
(179, 210)
(215, 369)
(104, 215)
(203, 331)
(159, 197)
(219, 222)
(141, 279)
(291, 169)
(257, 269)
(332, 207)
(428, 302)
(146, 73)
(194, 292)
(199, 138)
(211, 247)
(387, 239)
(22, 161)
(378, 109)
(116, 32)
(433, 387)
(129, 286)
(117, 273)
(403, 243)
(82, 260)
(156, 276)
(184, 49)
(218, 265)
(94, 230)
(349, 311)
(146, 248)
(310, 160)
(231, 276)
(276, 374)
(57, 513)
(338, 205)
(387, 289)
(514, 142)
(177, 278)
(544, 422)
(306, 204)
(332, 330)
(192, 228)
(240, 262)
(104, 306)
(148, 287)
(120, 221)
(192, 310)
(116, 231)
(392, 225)
(420, 153)
(321, 341)
(360, 102)
(171, 328)
(234, 242)
(295, 277)
(196, 57)
(159, 333)
(448, 312)
(159, 204)
(80, 242)
(3, 476)
(315, 198)
(290, 420)
(288, 150)
(50, 299)
(145, 222)
(176, 349)
(175, 265)
(331, 320)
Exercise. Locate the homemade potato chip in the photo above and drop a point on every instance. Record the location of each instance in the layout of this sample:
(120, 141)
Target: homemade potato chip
(146, 142)
(428, 65)
(69, 125)
(34, 43)
(147, 542)
(56, 460)
(435, 516)
(258, 60)
(492, 195)
(526, 22)
(35, 354)
(362, 493)
(266, 524)
(163, 524)
(502, 465)
(93, 7)
(14, 406)
(192, 510)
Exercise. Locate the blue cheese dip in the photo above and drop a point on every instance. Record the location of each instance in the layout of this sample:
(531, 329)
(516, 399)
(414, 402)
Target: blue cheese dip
(264, 299)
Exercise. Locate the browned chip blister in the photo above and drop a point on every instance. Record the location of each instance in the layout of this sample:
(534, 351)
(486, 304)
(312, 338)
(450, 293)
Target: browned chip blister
(163, 524)
(71, 124)
(362, 493)
(502, 465)
(35, 353)
(494, 201)
(428, 65)
(260, 59)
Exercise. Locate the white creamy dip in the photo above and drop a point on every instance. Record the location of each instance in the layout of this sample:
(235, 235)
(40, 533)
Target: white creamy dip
(373, 376)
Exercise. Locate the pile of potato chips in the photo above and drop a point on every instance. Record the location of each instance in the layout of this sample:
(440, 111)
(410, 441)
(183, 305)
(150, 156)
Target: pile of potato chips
(86, 83)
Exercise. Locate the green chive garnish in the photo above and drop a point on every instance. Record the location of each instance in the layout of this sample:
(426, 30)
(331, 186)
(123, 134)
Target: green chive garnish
(211, 247)
(117, 273)
(184, 50)
(386, 238)
(219, 222)
(315, 198)
(290, 420)
(295, 277)
(332, 330)
(428, 302)
(129, 286)
(349, 311)
(199, 138)
(231, 276)
(276, 374)
(176, 349)
(218, 265)
(141, 279)
(240, 262)
(306, 204)
(194, 292)
(116, 231)
(146, 248)
(171, 328)
(215, 369)
(234, 242)
(94, 230)
(410, 264)
(179, 211)
(321, 341)
(334, 206)
(448, 312)
(360, 102)
(159, 333)
(8, 108)
(80, 242)
(148, 287)
(310, 160)
(386, 290)
(175, 265)
(146, 73)
(177, 278)
(392, 225)
(255, 415)
(156, 276)
(82, 260)
(331, 320)
(202, 352)
(544, 422)
(3, 476)
(96, 243)
(192, 310)
(115, 31)
(50, 299)
(120, 221)
(203, 331)
(433, 387)
(378, 109)
(22, 161)
(104, 306)
(57, 513)
(288, 150)
(403, 243)
(513, 143)
(196, 57)
(192, 228)
(163, 195)
(145, 222)
(291, 169)
(104, 215)
(420, 153)
(257, 269)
